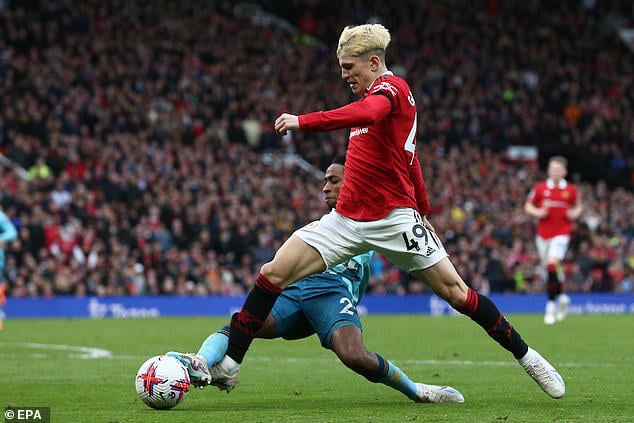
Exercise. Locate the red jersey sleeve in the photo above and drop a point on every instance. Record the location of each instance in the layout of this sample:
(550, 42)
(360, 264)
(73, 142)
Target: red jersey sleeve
(420, 190)
(534, 196)
(366, 111)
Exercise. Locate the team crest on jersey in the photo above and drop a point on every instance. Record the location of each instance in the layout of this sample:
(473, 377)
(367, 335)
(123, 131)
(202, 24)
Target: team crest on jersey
(566, 195)
(387, 87)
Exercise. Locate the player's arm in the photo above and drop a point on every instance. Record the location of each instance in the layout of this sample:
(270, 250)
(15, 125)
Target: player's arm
(534, 211)
(420, 190)
(575, 211)
(366, 112)
(531, 209)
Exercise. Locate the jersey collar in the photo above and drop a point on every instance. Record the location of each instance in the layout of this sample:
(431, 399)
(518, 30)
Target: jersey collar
(387, 72)
(561, 185)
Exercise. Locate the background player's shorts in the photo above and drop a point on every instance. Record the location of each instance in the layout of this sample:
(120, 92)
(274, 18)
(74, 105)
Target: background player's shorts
(552, 247)
(317, 304)
(400, 236)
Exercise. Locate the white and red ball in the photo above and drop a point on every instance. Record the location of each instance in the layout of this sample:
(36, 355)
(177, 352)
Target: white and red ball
(162, 382)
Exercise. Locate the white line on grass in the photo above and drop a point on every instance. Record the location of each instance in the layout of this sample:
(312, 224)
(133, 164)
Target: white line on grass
(93, 353)
(83, 352)
(442, 362)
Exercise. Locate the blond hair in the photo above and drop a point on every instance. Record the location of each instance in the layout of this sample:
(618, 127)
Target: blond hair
(559, 159)
(358, 40)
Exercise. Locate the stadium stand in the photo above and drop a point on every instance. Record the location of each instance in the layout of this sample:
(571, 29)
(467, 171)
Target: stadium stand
(139, 155)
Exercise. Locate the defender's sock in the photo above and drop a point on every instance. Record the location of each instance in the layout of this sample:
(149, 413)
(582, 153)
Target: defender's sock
(215, 346)
(246, 323)
(390, 375)
(482, 311)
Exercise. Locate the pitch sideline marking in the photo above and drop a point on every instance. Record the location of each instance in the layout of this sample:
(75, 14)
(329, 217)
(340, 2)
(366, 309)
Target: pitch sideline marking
(83, 352)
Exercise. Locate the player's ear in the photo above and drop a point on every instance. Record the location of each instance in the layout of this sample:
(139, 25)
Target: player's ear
(375, 62)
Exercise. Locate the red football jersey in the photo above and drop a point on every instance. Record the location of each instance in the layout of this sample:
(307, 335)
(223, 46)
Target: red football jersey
(382, 168)
(557, 199)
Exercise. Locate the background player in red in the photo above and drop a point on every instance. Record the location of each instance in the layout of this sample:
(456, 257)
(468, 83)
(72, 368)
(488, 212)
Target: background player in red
(556, 203)
(382, 205)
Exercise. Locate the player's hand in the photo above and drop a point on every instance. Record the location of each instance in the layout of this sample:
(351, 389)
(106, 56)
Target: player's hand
(541, 213)
(286, 122)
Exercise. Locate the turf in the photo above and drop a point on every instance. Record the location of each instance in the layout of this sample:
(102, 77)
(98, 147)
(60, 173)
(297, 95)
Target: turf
(298, 381)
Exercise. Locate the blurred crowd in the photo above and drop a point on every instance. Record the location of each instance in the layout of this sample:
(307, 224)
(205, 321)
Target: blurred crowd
(141, 157)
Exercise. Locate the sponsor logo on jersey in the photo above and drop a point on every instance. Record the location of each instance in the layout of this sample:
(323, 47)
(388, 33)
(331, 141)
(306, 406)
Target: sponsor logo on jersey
(358, 131)
(554, 203)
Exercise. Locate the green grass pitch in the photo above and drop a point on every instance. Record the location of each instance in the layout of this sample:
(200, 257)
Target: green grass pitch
(298, 381)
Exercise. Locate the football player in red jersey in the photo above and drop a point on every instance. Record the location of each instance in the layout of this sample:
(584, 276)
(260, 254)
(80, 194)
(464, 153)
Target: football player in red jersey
(382, 206)
(556, 203)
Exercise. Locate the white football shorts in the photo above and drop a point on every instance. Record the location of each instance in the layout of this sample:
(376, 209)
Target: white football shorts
(400, 236)
(552, 247)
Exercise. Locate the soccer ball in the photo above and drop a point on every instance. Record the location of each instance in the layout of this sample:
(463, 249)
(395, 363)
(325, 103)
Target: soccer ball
(162, 382)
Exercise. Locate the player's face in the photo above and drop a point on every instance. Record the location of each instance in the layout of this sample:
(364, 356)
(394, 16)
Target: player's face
(556, 171)
(356, 71)
(333, 181)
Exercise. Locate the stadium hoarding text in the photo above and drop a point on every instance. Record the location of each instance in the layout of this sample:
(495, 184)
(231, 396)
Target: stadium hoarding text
(148, 307)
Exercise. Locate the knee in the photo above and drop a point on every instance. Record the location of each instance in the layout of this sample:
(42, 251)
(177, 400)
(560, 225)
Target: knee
(273, 273)
(267, 270)
(357, 359)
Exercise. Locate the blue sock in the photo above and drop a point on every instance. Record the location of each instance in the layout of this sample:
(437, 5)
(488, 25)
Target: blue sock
(390, 375)
(215, 346)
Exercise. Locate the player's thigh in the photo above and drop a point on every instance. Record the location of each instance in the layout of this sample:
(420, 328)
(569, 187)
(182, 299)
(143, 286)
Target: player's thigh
(543, 246)
(330, 311)
(334, 236)
(445, 281)
(403, 239)
(558, 248)
(290, 321)
(293, 261)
